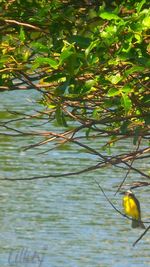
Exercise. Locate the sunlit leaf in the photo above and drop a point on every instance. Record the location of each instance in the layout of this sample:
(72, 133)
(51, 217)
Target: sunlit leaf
(39, 47)
(44, 60)
(126, 102)
(109, 16)
(146, 22)
(113, 92)
(126, 89)
(89, 84)
(140, 5)
(114, 79)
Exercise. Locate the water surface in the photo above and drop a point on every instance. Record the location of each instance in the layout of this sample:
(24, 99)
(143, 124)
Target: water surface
(65, 221)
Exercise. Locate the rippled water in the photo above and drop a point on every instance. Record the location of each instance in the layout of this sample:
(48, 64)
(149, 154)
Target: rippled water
(65, 221)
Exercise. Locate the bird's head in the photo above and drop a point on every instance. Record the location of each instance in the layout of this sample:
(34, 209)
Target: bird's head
(127, 193)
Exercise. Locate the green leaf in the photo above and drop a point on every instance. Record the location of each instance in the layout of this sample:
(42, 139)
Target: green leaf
(138, 37)
(55, 77)
(60, 118)
(126, 89)
(89, 84)
(109, 16)
(134, 69)
(136, 134)
(147, 120)
(139, 5)
(145, 100)
(65, 55)
(22, 35)
(87, 133)
(113, 92)
(45, 60)
(91, 46)
(114, 79)
(124, 127)
(146, 22)
(63, 88)
(81, 41)
(40, 47)
(4, 59)
(126, 102)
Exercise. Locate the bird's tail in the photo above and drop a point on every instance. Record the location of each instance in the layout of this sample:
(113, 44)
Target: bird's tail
(137, 224)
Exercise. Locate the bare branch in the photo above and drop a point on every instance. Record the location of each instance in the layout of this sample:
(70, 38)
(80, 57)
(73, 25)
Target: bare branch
(121, 184)
(141, 236)
(12, 21)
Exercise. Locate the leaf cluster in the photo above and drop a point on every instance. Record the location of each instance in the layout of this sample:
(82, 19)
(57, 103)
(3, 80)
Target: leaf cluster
(90, 59)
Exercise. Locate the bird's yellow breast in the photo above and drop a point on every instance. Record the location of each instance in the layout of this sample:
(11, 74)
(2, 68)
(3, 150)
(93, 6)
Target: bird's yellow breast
(130, 207)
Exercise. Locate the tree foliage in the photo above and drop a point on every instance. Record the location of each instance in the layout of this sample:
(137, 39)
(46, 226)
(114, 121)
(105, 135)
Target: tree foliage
(90, 61)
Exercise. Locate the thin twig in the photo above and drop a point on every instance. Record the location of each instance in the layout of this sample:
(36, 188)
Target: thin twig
(94, 167)
(130, 166)
(124, 215)
(12, 21)
(141, 236)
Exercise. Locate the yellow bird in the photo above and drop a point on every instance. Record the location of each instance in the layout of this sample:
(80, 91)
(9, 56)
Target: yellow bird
(131, 207)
